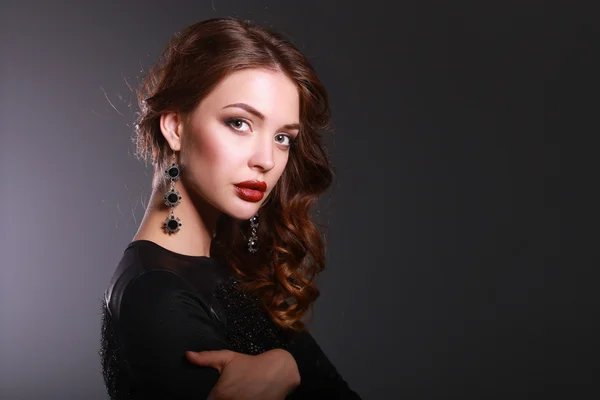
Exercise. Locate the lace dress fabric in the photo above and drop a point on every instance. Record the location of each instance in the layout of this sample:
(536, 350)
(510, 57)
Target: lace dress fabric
(249, 329)
(111, 357)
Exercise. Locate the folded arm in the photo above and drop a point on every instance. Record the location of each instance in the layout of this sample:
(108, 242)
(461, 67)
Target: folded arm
(319, 377)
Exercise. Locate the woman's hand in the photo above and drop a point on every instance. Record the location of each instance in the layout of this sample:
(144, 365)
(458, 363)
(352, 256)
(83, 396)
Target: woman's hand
(271, 375)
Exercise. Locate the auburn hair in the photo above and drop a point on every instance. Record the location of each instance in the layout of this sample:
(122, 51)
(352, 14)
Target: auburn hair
(292, 249)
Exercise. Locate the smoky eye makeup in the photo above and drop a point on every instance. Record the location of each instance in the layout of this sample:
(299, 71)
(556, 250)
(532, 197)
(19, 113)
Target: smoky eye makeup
(237, 124)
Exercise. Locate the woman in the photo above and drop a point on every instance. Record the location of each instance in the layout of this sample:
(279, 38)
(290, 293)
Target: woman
(209, 297)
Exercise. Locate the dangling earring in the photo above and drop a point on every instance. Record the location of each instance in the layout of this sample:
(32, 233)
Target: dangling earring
(253, 241)
(172, 198)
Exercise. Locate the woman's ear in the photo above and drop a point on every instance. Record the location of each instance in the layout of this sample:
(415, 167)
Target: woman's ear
(171, 126)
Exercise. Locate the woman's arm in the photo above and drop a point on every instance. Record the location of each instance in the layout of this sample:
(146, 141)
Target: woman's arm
(319, 377)
(160, 319)
(271, 375)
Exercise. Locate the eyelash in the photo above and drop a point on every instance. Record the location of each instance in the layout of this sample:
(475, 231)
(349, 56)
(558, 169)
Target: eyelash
(229, 122)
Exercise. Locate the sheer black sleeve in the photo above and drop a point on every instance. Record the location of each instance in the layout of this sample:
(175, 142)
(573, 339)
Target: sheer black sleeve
(161, 318)
(319, 377)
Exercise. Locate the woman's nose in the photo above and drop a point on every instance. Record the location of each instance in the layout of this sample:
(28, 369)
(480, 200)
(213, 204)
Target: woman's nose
(263, 156)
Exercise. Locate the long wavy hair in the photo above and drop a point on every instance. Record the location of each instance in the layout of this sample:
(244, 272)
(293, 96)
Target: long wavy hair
(292, 248)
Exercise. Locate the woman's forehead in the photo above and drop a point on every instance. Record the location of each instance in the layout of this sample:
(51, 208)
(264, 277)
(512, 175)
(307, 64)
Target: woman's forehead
(272, 93)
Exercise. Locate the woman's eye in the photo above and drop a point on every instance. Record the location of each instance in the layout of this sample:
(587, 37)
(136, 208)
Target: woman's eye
(289, 139)
(238, 124)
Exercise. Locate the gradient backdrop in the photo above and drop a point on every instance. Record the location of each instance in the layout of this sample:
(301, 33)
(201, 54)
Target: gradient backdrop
(440, 226)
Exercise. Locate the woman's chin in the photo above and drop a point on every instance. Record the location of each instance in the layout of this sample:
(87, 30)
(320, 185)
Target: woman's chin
(245, 212)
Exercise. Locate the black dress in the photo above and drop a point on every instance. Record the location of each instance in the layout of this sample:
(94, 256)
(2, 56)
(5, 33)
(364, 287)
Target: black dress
(160, 304)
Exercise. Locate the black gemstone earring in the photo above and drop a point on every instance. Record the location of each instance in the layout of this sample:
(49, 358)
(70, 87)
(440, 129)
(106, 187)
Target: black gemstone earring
(253, 241)
(172, 198)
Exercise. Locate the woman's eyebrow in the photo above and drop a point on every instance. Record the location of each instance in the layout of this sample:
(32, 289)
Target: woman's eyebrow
(248, 108)
(260, 115)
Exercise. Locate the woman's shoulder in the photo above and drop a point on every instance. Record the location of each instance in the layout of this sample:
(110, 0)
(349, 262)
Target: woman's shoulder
(148, 275)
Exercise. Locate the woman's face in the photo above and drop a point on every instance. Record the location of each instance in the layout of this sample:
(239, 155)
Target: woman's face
(241, 131)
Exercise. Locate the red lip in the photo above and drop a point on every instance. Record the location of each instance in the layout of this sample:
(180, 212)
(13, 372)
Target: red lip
(254, 185)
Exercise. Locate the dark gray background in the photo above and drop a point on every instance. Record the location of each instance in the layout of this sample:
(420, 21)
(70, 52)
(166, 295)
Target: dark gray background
(444, 217)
